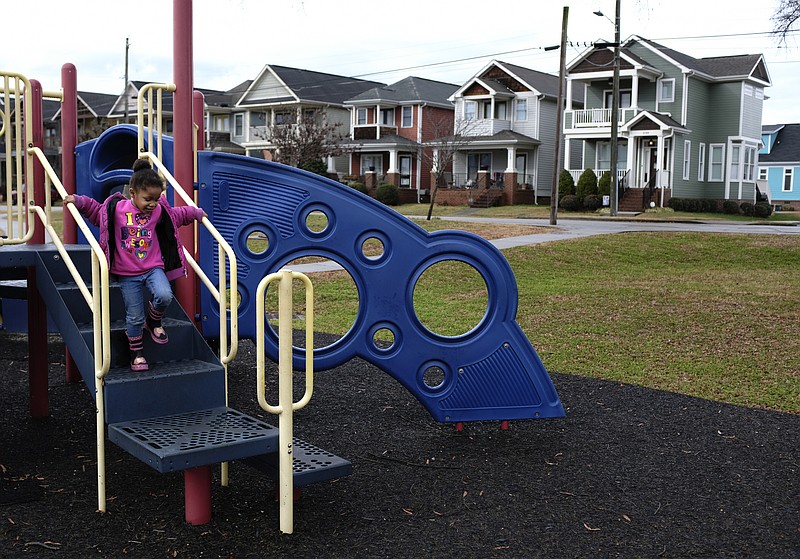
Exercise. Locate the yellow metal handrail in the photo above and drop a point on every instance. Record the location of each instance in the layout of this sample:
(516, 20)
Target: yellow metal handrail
(285, 406)
(15, 91)
(97, 299)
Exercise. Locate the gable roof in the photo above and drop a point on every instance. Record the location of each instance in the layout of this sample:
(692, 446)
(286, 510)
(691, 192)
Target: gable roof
(716, 68)
(410, 90)
(540, 82)
(786, 148)
(298, 85)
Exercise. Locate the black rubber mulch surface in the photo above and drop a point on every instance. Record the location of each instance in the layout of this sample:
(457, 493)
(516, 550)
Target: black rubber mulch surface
(630, 472)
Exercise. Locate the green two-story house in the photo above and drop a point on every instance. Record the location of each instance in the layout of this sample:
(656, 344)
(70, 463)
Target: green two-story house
(687, 127)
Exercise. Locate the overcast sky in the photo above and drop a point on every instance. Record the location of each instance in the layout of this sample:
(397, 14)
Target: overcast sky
(385, 42)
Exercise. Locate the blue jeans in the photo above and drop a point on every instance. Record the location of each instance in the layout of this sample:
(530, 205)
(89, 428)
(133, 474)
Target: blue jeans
(135, 297)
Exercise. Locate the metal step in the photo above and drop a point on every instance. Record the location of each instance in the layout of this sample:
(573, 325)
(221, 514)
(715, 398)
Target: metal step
(189, 440)
(311, 464)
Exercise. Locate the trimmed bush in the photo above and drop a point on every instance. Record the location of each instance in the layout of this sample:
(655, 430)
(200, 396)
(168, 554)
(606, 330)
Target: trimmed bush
(587, 184)
(762, 209)
(747, 209)
(604, 185)
(592, 202)
(357, 185)
(730, 207)
(315, 166)
(570, 203)
(566, 184)
(387, 194)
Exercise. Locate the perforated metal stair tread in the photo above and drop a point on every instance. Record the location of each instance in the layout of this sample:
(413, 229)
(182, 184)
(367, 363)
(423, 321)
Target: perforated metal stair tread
(310, 464)
(189, 440)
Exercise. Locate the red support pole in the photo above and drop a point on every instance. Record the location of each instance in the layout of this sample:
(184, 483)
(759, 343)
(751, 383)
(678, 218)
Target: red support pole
(183, 136)
(197, 497)
(37, 313)
(69, 139)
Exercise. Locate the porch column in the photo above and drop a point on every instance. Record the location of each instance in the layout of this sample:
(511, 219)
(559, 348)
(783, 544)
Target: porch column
(512, 158)
(331, 165)
(566, 152)
(392, 161)
(660, 166)
(378, 121)
(635, 91)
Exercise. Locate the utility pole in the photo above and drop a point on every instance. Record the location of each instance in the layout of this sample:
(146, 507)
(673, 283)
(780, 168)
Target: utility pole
(559, 118)
(125, 90)
(615, 118)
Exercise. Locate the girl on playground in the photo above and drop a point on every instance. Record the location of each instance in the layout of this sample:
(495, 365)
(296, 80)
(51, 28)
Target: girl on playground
(139, 236)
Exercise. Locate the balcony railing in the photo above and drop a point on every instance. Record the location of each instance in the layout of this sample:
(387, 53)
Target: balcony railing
(595, 118)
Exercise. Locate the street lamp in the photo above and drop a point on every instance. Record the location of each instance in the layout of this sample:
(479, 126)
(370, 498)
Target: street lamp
(614, 112)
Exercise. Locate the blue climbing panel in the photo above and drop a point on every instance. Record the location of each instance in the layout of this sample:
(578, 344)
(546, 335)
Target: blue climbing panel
(490, 372)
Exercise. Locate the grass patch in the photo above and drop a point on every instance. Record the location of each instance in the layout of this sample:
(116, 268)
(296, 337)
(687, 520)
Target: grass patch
(708, 315)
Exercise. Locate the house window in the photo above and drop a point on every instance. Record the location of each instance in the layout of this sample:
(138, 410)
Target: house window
(603, 155)
(372, 163)
(701, 163)
(520, 166)
(500, 110)
(405, 170)
(470, 110)
(522, 109)
(759, 92)
(221, 123)
(408, 116)
(387, 117)
(476, 162)
(762, 173)
(238, 124)
(736, 162)
(625, 97)
(666, 91)
(687, 158)
(361, 117)
(284, 117)
(748, 90)
(715, 163)
(787, 179)
(487, 109)
(749, 162)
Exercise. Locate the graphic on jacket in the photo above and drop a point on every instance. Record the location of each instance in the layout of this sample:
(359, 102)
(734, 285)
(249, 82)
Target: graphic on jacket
(135, 237)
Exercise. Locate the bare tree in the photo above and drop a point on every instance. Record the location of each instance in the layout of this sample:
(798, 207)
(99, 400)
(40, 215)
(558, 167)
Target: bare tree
(306, 143)
(447, 144)
(785, 18)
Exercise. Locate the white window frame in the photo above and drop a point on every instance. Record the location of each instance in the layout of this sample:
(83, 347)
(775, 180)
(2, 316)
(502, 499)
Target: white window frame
(763, 173)
(788, 179)
(521, 110)
(404, 168)
(687, 158)
(372, 160)
(387, 117)
(470, 110)
(407, 115)
(238, 125)
(749, 163)
(660, 89)
(501, 110)
(736, 162)
(701, 162)
(361, 116)
(716, 165)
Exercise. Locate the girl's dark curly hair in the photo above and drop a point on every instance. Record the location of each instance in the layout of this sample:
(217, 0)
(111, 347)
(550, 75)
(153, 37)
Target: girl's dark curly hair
(144, 176)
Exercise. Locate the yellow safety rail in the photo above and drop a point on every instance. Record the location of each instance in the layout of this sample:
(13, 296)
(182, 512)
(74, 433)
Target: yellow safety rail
(285, 406)
(15, 111)
(153, 133)
(97, 299)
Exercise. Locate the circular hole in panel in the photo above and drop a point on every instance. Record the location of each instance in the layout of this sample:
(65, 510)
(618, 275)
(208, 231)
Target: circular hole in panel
(383, 339)
(433, 377)
(317, 221)
(372, 248)
(336, 302)
(257, 242)
(450, 298)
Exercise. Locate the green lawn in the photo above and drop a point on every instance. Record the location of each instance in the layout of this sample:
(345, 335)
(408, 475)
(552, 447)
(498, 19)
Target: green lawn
(713, 316)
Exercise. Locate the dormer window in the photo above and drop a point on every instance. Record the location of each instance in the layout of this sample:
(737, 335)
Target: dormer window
(470, 110)
(387, 117)
(361, 116)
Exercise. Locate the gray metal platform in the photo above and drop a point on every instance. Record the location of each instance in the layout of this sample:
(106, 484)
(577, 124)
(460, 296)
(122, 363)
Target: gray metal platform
(310, 464)
(189, 440)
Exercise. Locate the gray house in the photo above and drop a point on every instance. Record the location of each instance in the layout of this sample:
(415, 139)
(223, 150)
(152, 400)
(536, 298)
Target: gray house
(688, 127)
(280, 96)
(508, 114)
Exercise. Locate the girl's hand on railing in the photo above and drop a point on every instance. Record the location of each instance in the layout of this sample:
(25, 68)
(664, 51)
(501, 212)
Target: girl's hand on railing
(69, 199)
